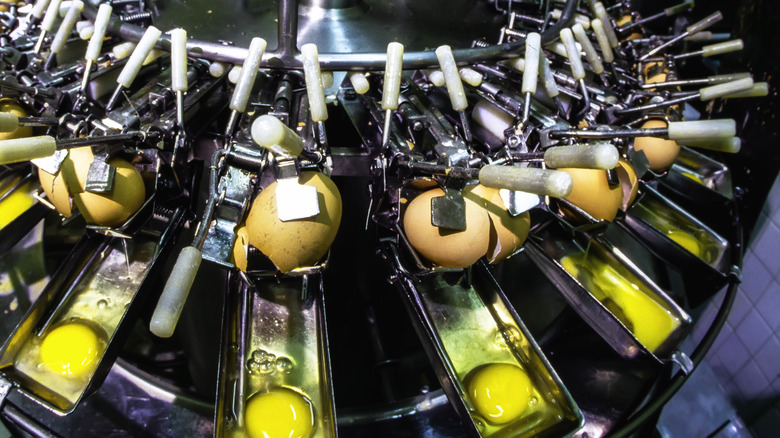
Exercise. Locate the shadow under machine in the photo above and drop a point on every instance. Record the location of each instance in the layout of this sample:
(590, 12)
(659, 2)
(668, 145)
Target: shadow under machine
(361, 218)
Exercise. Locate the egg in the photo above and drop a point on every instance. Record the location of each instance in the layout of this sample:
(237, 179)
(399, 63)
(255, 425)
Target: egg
(629, 182)
(625, 20)
(75, 168)
(279, 413)
(655, 72)
(507, 232)
(447, 248)
(659, 152)
(297, 243)
(56, 191)
(591, 192)
(11, 106)
(500, 392)
(114, 207)
(240, 248)
(72, 349)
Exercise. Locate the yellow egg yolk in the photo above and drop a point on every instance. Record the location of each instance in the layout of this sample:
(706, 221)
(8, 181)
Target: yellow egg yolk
(500, 392)
(687, 241)
(647, 319)
(71, 349)
(279, 413)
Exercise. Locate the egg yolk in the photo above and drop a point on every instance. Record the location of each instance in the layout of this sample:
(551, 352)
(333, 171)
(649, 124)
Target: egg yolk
(279, 413)
(71, 349)
(500, 392)
(687, 241)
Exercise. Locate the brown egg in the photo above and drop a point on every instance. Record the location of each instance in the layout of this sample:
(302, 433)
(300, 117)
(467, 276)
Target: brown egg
(654, 72)
(56, 191)
(628, 182)
(591, 192)
(297, 243)
(11, 106)
(447, 248)
(507, 232)
(240, 248)
(75, 168)
(115, 207)
(627, 19)
(659, 152)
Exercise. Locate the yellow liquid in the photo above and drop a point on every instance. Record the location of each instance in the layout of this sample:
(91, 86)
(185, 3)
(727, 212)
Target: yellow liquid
(500, 392)
(16, 203)
(649, 321)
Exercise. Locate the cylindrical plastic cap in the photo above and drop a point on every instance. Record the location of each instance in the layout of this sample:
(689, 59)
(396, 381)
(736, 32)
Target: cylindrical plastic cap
(249, 71)
(313, 77)
(533, 45)
(174, 295)
(587, 156)
(702, 129)
(452, 78)
(179, 60)
(543, 182)
(270, 133)
(393, 67)
(23, 149)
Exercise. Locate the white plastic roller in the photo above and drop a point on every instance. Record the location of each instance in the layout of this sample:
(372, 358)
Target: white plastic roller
(759, 89)
(557, 47)
(123, 50)
(452, 78)
(359, 82)
(590, 52)
(516, 63)
(217, 69)
(179, 60)
(85, 29)
(66, 27)
(699, 36)
(602, 15)
(715, 91)
(575, 62)
(548, 79)
(327, 79)
(721, 48)
(39, 8)
(470, 76)
(586, 156)
(270, 133)
(437, 78)
(533, 45)
(392, 84)
(543, 182)
(235, 74)
(52, 12)
(174, 295)
(101, 25)
(578, 18)
(249, 71)
(730, 145)
(702, 129)
(8, 122)
(728, 77)
(492, 118)
(24, 149)
(136, 60)
(312, 75)
(601, 37)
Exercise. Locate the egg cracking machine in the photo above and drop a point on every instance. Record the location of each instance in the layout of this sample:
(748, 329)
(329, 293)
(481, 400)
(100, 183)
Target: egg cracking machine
(150, 167)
